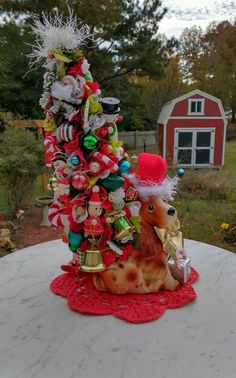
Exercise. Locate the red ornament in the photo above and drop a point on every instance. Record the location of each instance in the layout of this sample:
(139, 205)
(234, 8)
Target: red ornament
(79, 181)
(76, 68)
(101, 132)
(93, 86)
(131, 194)
(108, 257)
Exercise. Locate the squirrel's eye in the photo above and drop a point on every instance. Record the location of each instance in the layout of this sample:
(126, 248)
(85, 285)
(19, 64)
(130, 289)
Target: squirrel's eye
(151, 207)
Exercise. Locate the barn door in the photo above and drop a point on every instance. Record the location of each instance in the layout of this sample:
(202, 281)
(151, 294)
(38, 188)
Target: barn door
(194, 147)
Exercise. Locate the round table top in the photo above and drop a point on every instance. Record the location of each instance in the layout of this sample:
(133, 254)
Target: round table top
(42, 338)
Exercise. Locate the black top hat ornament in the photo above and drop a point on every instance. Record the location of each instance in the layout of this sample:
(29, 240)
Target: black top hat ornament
(110, 105)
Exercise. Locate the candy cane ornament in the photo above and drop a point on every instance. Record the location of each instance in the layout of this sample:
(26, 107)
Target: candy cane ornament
(58, 215)
(106, 161)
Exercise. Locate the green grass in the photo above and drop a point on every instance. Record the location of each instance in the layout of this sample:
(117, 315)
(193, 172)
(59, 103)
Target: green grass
(230, 155)
(201, 220)
(3, 203)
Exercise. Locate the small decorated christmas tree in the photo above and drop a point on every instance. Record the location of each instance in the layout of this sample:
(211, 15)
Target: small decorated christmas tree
(117, 223)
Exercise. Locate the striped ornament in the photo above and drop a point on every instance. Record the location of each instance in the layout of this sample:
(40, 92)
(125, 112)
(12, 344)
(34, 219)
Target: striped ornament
(50, 150)
(65, 132)
(58, 215)
(105, 160)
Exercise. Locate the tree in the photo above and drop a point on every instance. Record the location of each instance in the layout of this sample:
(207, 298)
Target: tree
(124, 32)
(208, 61)
(157, 92)
(222, 59)
(20, 90)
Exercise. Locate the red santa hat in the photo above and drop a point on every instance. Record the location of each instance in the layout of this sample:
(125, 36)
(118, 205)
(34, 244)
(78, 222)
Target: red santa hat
(150, 178)
(95, 197)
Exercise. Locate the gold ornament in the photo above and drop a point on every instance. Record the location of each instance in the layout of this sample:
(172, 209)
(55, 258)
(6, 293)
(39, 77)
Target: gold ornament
(92, 261)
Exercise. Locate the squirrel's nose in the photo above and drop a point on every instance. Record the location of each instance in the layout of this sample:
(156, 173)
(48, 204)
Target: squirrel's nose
(171, 211)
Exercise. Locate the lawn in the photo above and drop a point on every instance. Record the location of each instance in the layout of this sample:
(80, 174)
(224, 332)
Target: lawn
(230, 156)
(202, 219)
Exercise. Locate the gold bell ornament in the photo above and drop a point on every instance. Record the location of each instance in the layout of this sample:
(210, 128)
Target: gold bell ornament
(92, 261)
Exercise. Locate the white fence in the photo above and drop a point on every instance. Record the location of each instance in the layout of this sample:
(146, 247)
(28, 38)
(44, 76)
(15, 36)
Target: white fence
(138, 139)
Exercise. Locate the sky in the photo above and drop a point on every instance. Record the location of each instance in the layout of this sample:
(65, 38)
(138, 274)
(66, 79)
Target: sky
(186, 13)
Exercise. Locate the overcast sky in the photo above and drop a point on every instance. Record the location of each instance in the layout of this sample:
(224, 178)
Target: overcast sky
(186, 13)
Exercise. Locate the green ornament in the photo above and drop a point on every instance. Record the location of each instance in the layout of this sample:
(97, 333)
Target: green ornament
(75, 239)
(90, 142)
(112, 182)
(73, 248)
(88, 76)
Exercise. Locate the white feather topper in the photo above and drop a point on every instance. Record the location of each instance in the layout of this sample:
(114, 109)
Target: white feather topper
(147, 189)
(53, 33)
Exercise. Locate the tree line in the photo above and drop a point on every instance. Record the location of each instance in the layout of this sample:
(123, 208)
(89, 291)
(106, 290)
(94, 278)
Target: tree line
(128, 57)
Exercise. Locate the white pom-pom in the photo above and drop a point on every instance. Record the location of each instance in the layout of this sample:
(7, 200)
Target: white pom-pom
(94, 222)
(94, 167)
(95, 189)
(117, 195)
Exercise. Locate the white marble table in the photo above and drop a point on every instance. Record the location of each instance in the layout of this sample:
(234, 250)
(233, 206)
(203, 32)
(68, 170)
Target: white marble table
(41, 337)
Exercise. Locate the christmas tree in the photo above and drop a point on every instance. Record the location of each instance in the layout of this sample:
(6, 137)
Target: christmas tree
(108, 214)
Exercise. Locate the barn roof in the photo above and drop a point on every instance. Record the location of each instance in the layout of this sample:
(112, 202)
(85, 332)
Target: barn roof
(168, 107)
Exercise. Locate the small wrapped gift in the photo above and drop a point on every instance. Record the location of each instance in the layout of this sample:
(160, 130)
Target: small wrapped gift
(180, 269)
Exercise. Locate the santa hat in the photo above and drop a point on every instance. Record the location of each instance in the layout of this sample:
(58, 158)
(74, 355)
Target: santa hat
(95, 197)
(150, 178)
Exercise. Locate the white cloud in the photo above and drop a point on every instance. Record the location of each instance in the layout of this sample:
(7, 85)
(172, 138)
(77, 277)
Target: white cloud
(185, 13)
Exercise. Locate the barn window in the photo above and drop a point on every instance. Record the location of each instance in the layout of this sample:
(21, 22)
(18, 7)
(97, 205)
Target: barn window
(196, 106)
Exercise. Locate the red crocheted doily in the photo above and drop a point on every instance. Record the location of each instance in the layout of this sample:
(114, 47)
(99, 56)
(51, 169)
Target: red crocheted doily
(136, 308)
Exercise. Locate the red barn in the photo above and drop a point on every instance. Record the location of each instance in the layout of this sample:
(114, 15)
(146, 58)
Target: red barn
(192, 131)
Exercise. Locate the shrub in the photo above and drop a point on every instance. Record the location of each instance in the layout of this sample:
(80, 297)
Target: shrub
(5, 117)
(21, 161)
